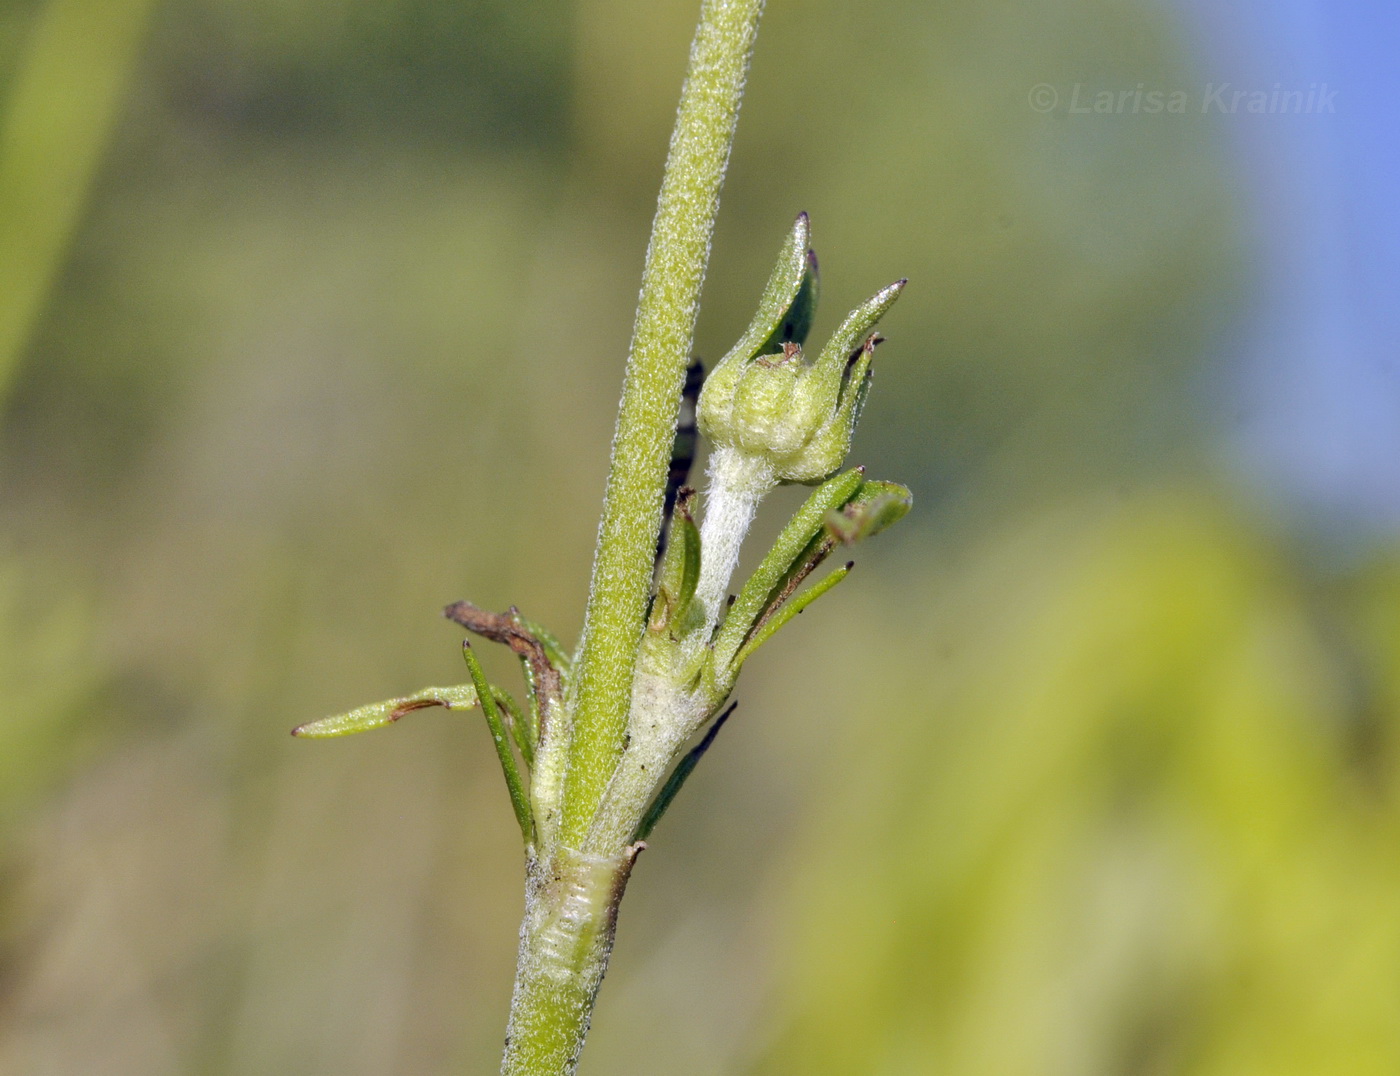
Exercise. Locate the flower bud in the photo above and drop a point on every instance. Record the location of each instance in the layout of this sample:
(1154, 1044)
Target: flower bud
(765, 400)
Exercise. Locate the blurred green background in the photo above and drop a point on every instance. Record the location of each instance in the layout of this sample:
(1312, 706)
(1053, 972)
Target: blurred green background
(312, 319)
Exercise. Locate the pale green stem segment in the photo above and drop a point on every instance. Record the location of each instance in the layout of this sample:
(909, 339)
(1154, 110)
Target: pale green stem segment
(55, 121)
(661, 343)
(570, 914)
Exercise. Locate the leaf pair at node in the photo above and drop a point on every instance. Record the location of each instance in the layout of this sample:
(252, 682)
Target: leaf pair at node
(513, 729)
(842, 510)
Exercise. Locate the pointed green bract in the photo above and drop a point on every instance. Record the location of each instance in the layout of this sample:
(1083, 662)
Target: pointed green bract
(518, 799)
(876, 506)
(792, 274)
(680, 572)
(379, 714)
(793, 279)
(796, 322)
(857, 326)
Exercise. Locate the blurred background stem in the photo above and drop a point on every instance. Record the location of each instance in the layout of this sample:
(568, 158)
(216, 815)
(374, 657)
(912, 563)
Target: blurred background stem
(57, 120)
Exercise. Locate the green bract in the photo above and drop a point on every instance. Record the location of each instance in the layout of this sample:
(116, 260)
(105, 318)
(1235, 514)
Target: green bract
(876, 506)
(766, 401)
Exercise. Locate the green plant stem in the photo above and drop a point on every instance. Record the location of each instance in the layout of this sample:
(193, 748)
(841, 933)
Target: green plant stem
(661, 344)
(572, 896)
(570, 913)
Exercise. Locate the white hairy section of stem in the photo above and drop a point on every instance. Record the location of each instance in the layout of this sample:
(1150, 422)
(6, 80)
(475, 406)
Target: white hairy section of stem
(666, 710)
(664, 715)
(738, 482)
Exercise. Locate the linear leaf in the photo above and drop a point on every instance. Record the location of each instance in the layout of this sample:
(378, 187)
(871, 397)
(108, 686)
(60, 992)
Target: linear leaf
(678, 777)
(518, 799)
(785, 613)
(379, 714)
(797, 537)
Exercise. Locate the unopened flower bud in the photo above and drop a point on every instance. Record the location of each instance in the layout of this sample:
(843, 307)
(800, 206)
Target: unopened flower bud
(766, 401)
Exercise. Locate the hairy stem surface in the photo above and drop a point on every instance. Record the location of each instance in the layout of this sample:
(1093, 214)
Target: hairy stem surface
(661, 343)
(570, 912)
(737, 485)
(571, 895)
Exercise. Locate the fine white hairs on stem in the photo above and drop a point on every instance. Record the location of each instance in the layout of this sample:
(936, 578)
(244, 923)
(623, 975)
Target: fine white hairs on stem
(738, 483)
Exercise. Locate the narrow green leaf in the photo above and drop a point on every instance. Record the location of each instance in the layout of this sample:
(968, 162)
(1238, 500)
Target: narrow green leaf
(678, 777)
(796, 539)
(875, 506)
(518, 799)
(786, 612)
(521, 730)
(533, 714)
(378, 714)
(804, 564)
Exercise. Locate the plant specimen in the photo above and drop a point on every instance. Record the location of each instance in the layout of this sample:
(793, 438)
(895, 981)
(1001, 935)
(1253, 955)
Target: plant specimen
(607, 735)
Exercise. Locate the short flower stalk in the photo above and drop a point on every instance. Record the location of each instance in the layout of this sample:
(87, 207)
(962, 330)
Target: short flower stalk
(605, 737)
